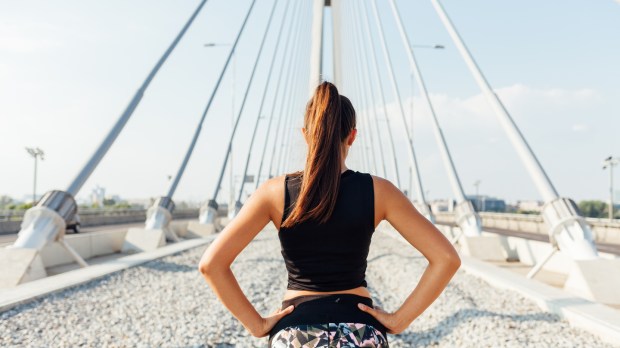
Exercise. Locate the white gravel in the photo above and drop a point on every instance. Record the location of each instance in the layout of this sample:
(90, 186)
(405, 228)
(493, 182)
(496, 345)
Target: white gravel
(166, 303)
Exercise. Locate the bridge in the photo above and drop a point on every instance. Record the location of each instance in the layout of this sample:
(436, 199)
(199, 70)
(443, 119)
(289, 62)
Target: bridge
(130, 277)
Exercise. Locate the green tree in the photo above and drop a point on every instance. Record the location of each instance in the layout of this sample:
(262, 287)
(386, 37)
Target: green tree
(122, 205)
(108, 202)
(5, 201)
(594, 208)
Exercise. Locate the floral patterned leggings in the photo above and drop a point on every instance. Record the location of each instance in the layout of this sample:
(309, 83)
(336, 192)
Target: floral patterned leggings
(328, 321)
(332, 335)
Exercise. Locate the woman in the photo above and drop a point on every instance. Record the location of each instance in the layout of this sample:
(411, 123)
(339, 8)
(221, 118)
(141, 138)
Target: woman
(326, 215)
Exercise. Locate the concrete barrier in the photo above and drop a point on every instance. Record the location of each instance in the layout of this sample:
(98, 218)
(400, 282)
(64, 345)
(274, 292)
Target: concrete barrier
(594, 280)
(9, 227)
(87, 245)
(93, 244)
(605, 231)
(101, 217)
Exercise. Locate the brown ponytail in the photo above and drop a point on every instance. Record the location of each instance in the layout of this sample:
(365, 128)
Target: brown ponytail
(328, 121)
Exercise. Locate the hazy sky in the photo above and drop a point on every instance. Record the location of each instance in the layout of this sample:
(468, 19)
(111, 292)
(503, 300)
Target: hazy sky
(69, 68)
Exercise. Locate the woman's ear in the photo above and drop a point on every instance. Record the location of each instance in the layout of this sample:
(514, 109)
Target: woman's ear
(352, 136)
(303, 132)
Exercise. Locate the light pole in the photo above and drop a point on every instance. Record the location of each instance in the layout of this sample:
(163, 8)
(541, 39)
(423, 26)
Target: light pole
(610, 162)
(477, 184)
(232, 121)
(36, 153)
(436, 47)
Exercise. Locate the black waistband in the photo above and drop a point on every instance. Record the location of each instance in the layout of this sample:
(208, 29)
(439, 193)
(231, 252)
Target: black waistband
(323, 309)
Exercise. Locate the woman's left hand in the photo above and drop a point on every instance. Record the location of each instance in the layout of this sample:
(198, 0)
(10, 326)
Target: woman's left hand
(391, 321)
(269, 322)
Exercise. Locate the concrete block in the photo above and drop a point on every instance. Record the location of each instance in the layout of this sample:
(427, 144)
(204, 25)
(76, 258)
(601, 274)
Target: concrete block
(448, 231)
(510, 251)
(53, 254)
(531, 252)
(201, 230)
(87, 245)
(106, 242)
(20, 265)
(180, 228)
(140, 239)
(597, 280)
(483, 248)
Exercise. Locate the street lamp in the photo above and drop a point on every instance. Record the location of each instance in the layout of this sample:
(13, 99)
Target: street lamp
(477, 184)
(232, 118)
(36, 153)
(610, 162)
(436, 47)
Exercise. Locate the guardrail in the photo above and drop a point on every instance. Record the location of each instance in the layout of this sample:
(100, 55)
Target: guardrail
(605, 231)
(10, 223)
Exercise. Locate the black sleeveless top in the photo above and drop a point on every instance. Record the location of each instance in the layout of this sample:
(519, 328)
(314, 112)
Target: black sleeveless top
(330, 256)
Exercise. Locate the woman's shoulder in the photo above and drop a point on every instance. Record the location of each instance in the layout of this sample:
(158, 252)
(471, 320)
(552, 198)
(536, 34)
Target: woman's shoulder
(380, 184)
(273, 185)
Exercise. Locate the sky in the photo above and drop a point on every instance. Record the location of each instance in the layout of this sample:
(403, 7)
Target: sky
(69, 68)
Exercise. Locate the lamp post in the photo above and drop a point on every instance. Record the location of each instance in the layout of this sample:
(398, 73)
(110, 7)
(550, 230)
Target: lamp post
(36, 153)
(610, 162)
(436, 47)
(232, 120)
(477, 184)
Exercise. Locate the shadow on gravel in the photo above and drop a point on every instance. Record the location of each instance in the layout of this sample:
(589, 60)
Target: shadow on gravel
(446, 326)
(61, 295)
(164, 266)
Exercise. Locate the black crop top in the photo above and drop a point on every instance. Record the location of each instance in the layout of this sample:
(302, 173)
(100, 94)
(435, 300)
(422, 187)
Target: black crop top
(331, 256)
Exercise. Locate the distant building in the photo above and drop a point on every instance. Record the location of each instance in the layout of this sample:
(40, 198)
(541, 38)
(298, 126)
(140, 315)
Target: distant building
(97, 196)
(486, 203)
(117, 198)
(533, 206)
(442, 205)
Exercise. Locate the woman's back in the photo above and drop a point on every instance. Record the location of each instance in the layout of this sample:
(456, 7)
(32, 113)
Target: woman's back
(330, 256)
(326, 218)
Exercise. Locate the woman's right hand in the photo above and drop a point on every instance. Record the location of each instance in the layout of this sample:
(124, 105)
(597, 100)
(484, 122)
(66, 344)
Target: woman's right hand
(391, 321)
(270, 321)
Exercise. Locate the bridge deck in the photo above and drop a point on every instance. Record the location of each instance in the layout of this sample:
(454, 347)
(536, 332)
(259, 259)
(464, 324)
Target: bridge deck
(167, 303)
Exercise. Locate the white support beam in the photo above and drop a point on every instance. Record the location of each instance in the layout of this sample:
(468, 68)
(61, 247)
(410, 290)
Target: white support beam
(316, 51)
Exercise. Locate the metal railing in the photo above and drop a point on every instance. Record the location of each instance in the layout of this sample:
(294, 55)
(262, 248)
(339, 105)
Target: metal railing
(17, 215)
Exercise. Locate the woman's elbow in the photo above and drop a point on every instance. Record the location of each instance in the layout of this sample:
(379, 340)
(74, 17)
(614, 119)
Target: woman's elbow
(453, 260)
(449, 261)
(207, 266)
(204, 268)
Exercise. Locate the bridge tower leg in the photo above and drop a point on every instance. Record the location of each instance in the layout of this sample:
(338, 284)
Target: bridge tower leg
(336, 6)
(316, 50)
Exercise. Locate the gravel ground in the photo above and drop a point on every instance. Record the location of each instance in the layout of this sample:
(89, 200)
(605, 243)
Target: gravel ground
(166, 303)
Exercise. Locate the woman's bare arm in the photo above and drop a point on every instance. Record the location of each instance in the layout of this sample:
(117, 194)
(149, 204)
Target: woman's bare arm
(443, 259)
(216, 260)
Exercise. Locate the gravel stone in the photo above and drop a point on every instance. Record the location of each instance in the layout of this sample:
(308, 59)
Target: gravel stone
(167, 303)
